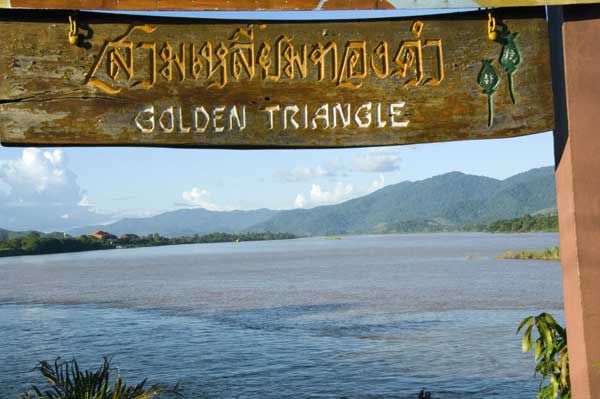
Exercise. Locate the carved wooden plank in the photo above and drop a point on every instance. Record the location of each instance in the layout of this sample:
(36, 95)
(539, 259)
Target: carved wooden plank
(175, 82)
(275, 4)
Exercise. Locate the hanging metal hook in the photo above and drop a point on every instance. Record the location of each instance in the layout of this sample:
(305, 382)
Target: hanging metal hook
(491, 25)
(72, 31)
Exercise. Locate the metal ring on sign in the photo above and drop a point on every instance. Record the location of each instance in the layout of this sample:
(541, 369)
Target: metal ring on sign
(492, 35)
(72, 31)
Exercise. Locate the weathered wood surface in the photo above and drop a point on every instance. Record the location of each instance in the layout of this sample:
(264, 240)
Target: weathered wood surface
(173, 82)
(275, 4)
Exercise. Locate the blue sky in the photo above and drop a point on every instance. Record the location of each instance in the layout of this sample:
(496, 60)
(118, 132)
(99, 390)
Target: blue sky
(60, 188)
(120, 182)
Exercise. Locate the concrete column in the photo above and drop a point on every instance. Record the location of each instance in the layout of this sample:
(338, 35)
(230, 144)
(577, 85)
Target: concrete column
(577, 150)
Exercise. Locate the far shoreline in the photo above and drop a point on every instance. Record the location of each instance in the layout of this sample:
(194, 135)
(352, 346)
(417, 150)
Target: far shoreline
(36, 244)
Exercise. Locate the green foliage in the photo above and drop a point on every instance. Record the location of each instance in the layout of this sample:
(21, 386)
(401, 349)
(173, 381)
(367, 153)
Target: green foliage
(524, 224)
(449, 202)
(550, 353)
(441, 203)
(547, 254)
(67, 381)
(35, 243)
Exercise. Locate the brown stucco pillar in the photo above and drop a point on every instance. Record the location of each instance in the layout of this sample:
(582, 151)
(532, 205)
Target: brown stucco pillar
(577, 150)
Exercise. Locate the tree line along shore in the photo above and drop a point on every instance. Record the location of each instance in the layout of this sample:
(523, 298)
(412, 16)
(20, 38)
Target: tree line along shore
(35, 243)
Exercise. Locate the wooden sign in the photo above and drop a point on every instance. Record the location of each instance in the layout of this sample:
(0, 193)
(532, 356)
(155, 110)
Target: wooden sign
(276, 4)
(113, 80)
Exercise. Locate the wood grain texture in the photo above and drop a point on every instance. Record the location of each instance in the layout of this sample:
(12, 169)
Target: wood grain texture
(94, 93)
(190, 5)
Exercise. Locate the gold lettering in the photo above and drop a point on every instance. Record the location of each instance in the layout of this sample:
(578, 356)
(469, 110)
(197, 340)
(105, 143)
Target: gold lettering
(148, 83)
(263, 59)
(242, 53)
(354, 64)
(294, 58)
(196, 66)
(317, 56)
(440, 59)
(236, 59)
(115, 61)
(169, 58)
(381, 53)
(213, 68)
(411, 53)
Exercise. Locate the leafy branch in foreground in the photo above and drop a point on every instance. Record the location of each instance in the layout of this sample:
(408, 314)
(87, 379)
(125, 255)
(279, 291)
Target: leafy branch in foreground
(550, 353)
(67, 381)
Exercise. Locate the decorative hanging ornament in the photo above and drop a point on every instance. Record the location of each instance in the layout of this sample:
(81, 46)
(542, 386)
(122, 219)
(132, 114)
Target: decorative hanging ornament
(489, 79)
(510, 58)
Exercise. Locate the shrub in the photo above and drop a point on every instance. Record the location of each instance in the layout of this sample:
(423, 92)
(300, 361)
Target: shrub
(67, 381)
(550, 353)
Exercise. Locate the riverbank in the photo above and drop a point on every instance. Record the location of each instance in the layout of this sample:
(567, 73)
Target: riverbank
(546, 254)
(38, 244)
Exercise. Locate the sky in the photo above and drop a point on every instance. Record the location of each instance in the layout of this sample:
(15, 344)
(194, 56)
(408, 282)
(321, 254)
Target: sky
(60, 188)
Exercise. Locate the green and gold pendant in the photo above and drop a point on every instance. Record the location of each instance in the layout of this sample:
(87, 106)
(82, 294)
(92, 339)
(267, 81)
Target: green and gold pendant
(489, 79)
(510, 58)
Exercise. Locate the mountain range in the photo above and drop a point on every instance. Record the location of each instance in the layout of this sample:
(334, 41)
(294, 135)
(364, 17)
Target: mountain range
(446, 201)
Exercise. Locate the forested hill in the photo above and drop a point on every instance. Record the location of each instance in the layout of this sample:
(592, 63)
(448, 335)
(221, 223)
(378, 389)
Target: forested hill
(447, 201)
(184, 222)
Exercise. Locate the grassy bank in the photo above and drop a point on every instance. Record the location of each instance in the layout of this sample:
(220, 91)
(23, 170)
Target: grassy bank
(546, 254)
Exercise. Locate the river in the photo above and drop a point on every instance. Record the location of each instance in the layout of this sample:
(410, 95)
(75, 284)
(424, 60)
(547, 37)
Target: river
(378, 316)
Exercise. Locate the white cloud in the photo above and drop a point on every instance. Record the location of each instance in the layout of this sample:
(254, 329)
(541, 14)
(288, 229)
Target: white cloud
(40, 176)
(319, 196)
(300, 201)
(378, 160)
(303, 173)
(55, 157)
(339, 193)
(371, 161)
(199, 198)
(40, 192)
(377, 184)
(85, 201)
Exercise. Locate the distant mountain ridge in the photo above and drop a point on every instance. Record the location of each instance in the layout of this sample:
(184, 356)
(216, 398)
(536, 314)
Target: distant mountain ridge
(8, 234)
(452, 199)
(185, 222)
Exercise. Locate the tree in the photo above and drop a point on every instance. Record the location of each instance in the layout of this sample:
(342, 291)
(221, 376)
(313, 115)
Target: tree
(550, 353)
